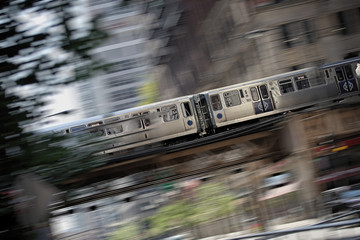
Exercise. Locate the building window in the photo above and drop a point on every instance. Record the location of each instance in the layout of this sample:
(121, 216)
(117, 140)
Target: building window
(298, 33)
(349, 21)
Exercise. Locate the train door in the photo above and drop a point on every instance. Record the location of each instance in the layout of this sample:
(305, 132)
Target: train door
(202, 112)
(218, 109)
(261, 99)
(142, 121)
(346, 79)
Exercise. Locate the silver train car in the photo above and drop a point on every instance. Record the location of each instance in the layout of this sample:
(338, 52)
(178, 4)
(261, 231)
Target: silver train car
(139, 126)
(209, 111)
(281, 93)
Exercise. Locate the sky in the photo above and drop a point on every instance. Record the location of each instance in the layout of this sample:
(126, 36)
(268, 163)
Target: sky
(65, 100)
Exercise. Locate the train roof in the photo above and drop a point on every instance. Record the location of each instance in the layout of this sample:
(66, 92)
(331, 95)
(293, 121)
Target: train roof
(346, 61)
(113, 114)
(265, 79)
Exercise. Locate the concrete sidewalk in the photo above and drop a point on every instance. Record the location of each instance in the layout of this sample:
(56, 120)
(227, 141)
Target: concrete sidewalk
(319, 234)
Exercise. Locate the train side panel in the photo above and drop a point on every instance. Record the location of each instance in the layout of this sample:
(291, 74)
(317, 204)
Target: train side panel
(154, 123)
(283, 92)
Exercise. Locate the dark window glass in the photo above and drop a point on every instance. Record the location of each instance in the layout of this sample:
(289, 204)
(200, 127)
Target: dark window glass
(254, 94)
(264, 91)
(308, 31)
(146, 119)
(327, 73)
(342, 23)
(302, 82)
(111, 120)
(339, 74)
(186, 109)
(286, 36)
(348, 72)
(286, 86)
(77, 128)
(298, 33)
(241, 93)
(232, 98)
(138, 120)
(215, 102)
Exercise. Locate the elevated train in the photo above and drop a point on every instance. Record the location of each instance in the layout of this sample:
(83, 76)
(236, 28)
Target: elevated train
(206, 112)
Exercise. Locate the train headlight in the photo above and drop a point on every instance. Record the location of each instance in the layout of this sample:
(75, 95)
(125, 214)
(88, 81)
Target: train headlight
(190, 122)
(358, 69)
(219, 115)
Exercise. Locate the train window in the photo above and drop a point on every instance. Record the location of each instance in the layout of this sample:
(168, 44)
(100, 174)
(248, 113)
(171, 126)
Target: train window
(170, 113)
(286, 86)
(114, 130)
(327, 73)
(111, 120)
(241, 93)
(77, 128)
(215, 102)
(93, 124)
(339, 74)
(254, 94)
(98, 132)
(264, 91)
(348, 72)
(138, 120)
(302, 82)
(146, 119)
(186, 109)
(232, 98)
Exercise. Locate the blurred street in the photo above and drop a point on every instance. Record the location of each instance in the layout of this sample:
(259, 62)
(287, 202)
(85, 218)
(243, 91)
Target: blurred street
(179, 119)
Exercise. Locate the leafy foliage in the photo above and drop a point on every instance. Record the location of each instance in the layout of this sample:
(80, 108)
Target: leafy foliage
(130, 231)
(211, 201)
(42, 47)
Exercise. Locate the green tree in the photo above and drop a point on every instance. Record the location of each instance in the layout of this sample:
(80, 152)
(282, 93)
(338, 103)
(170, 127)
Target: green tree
(41, 48)
(210, 201)
(127, 232)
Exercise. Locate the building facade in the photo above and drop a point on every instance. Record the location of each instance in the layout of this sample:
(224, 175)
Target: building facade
(127, 54)
(241, 40)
